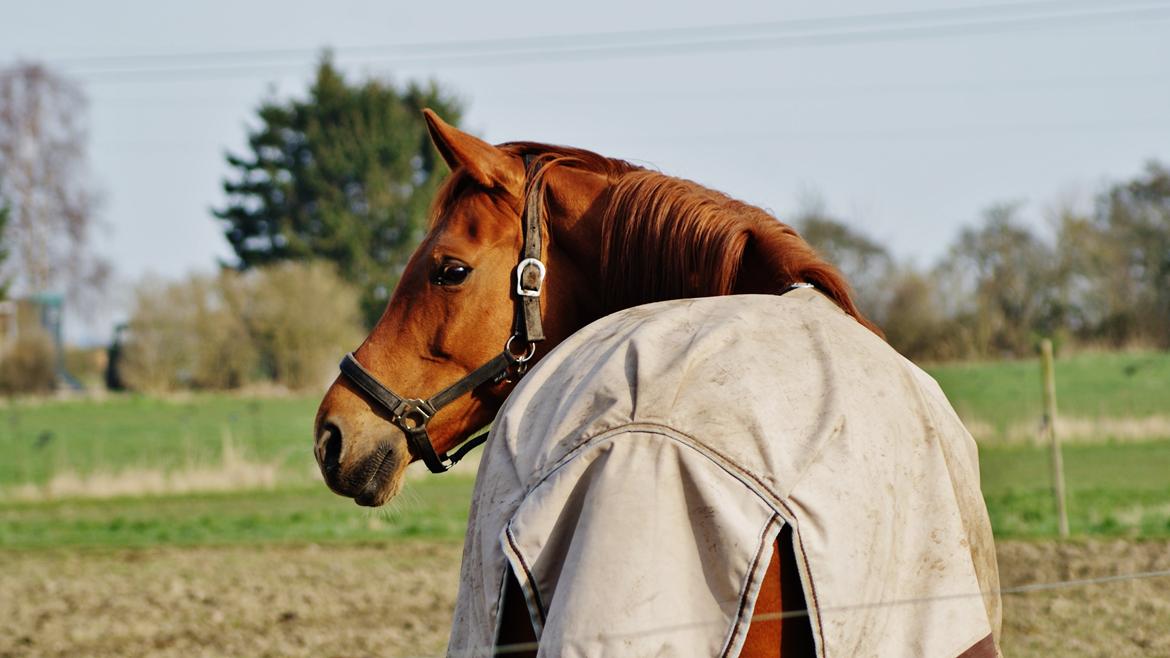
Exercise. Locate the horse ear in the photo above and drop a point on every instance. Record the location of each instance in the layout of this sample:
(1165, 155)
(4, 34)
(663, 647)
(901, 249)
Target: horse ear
(488, 165)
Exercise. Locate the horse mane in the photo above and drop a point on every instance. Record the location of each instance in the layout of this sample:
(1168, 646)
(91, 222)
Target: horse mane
(670, 238)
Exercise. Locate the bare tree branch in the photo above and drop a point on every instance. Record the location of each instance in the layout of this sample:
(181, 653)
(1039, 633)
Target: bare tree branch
(45, 184)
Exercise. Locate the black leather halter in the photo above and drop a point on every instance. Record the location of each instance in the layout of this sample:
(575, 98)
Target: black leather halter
(411, 415)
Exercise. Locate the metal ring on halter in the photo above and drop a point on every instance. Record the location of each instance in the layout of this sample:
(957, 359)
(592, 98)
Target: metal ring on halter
(523, 358)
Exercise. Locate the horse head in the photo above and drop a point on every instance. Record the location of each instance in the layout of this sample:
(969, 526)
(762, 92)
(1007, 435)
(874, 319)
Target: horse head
(608, 234)
(453, 310)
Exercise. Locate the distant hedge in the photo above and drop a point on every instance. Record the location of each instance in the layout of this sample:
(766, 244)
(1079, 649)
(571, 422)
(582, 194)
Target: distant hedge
(28, 365)
(285, 323)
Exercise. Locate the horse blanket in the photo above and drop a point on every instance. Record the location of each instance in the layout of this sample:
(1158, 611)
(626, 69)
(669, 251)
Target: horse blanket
(637, 478)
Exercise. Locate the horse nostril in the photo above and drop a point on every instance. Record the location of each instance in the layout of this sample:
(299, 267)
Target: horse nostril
(331, 459)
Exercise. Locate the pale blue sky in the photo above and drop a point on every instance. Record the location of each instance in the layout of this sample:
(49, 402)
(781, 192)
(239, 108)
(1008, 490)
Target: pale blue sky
(909, 139)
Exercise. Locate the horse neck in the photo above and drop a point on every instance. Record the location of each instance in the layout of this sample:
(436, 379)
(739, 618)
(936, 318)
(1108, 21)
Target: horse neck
(576, 203)
(639, 237)
(637, 240)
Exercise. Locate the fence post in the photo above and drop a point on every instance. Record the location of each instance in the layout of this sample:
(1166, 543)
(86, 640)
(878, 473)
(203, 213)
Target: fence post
(1049, 373)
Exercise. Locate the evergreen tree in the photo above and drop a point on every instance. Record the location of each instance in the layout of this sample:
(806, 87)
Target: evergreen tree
(346, 175)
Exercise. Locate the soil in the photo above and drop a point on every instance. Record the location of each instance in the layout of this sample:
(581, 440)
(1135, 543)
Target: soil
(1123, 618)
(396, 600)
(343, 601)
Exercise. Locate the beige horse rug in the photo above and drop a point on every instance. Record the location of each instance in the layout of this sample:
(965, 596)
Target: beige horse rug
(637, 479)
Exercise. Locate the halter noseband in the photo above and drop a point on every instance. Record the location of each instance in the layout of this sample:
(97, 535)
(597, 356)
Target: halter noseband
(411, 415)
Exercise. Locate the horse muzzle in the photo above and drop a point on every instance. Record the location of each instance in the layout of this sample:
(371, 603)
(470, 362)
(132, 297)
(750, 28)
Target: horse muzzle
(371, 477)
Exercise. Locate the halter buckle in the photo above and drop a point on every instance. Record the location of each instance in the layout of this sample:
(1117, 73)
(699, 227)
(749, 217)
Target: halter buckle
(412, 414)
(529, 289)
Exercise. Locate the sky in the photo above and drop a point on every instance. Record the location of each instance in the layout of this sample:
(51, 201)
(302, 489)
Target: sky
(908, 135)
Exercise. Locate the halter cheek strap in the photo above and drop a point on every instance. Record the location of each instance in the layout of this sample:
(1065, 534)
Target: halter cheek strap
(412, 415)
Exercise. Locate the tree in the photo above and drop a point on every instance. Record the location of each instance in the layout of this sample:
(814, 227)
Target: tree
(1011, 281)
(866, 264)
(3, 250)
(345, 175)
(43, 181)
(28, 358)
(1118, 262)
(915, 321)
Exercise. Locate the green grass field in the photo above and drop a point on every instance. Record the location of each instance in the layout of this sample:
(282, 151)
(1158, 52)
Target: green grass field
(432, 508)
(1115, 488)
(42, 437)
(1088, 386)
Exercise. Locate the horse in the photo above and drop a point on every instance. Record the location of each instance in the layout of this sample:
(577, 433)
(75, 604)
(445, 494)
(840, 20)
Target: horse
(527, 244)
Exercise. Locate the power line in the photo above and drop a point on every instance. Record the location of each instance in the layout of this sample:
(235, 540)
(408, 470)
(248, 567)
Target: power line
(736, 139)
(868, 20)
(846, 30)
(804, 92)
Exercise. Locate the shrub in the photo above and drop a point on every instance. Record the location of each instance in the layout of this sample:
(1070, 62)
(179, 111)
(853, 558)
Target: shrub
(28, 365)
(161, 341)
(188, 335)
(302, 316)
(285, 323)
(226, 355)
(87, 364)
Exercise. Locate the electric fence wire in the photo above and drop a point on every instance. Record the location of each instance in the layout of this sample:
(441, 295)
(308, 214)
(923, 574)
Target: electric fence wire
(792, 614)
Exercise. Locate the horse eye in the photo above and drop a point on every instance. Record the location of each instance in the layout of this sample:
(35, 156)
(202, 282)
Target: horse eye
(451, 274)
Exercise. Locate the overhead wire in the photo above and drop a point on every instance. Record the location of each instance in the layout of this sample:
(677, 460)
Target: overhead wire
(744, 37)
(855, 20)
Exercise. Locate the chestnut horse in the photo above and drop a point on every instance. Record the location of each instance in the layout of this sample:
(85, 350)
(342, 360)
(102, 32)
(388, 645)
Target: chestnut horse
(610, 236)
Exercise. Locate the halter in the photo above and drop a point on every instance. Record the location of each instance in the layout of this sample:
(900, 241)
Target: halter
(411, 415)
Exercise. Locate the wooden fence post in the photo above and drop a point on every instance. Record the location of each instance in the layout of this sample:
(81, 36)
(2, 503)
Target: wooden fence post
(1049, 373)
